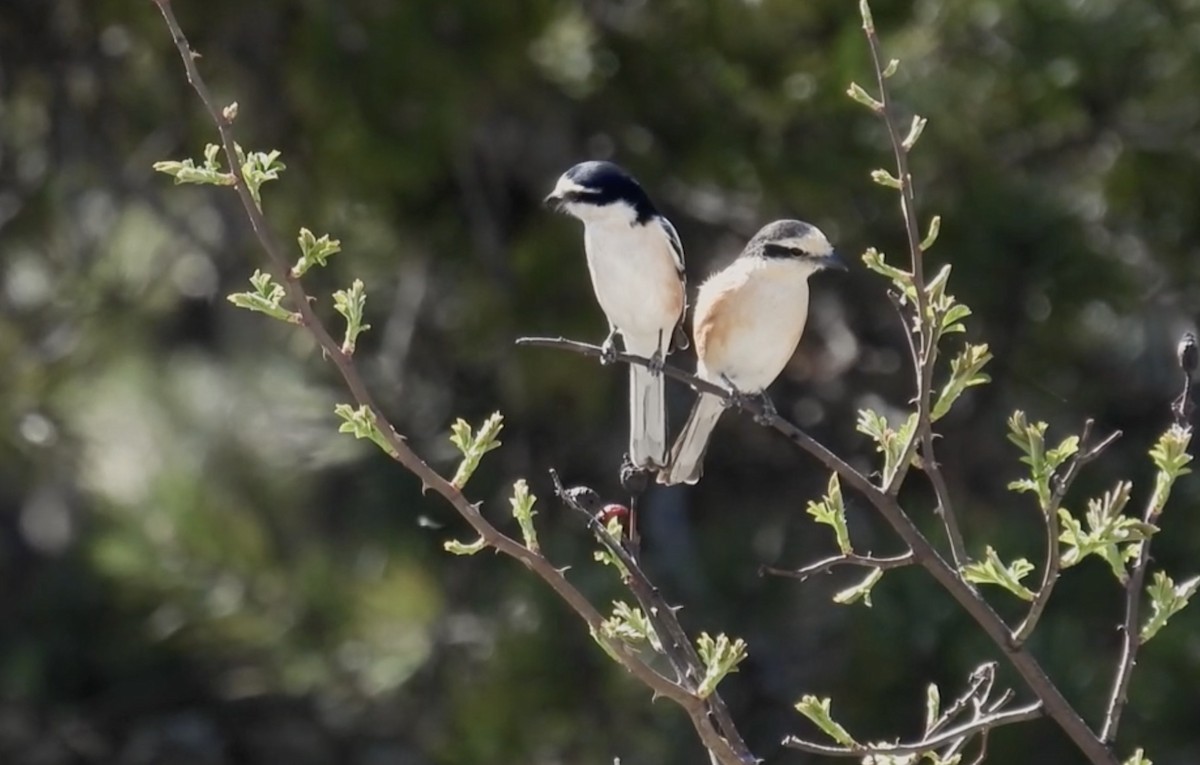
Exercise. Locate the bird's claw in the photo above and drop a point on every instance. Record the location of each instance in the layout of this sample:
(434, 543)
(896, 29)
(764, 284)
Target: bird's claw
(768, 414)
(736, 399)
(655, 363)
(608, 350)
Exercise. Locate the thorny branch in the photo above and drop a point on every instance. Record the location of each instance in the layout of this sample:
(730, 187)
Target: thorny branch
(399, 449)
(926, 555)
(672, 637)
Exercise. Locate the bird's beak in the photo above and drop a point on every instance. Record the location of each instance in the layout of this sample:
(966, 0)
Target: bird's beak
(833, 262)
(553, 201)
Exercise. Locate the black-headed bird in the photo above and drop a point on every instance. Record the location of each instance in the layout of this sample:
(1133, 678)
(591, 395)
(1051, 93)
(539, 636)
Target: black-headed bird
(636, 263)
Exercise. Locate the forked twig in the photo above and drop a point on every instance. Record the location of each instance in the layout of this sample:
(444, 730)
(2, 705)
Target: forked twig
(1050, 572)
(926, 744)
(847, 559)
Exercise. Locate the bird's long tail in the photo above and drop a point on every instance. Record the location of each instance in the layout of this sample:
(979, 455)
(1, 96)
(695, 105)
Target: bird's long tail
(647, 418)
(685, 463)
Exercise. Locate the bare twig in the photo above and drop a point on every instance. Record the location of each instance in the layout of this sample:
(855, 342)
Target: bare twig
(983, 678)
(1056, 705)
(847, 559)
(674, 640)
(1050, 572)
(399, 450)
(926, 744)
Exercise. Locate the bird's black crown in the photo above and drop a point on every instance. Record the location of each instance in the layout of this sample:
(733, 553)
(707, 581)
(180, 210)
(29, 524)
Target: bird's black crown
(604, 183)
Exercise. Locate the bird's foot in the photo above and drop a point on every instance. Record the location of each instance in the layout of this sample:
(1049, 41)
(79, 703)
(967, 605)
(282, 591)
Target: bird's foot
(608, 349)
(635, 479)
(655, 363)
(768, 414)
(736, 398)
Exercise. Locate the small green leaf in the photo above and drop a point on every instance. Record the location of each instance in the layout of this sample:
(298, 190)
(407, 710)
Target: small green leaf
(933, 705)
(1110, 534)
(267, 298)
(258, 167)
(474, 446)
(892, 443)
(1031, 439)
(860, 591)
(630, 626)
(522, 509)
(1138, 758)
(314, 251)
(831, 511)
(885, 178)
(992, 570)
(952, 319)
(720, 656)
(186, 171)
(965, 372)
(914, 134)
(891, 68)
(350, 304)
(606, 556)
(864, 10)
(1166, 600)
(935, 227)
(817, 711)
(1171, 457)
(856, 92)
(903, 280)
(454, 547)
(361, 423)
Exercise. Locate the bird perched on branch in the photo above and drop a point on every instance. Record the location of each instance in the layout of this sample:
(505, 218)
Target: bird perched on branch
(748, 320)
(636, 263)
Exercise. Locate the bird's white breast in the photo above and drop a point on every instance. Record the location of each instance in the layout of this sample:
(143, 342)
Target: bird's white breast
(749, 319)
(635, 279)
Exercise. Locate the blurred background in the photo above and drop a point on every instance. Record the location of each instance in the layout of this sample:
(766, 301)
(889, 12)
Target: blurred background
(196, 569)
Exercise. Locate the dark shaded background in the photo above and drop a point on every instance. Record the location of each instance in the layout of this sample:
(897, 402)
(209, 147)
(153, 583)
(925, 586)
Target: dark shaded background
(194, 567)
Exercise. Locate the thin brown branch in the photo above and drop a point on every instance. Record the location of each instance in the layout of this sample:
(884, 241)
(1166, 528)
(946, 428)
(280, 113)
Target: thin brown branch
(924, 356)
(1130, 642)
(846, 559)
(752, 406)
(1050, 571)
(926, 744)
(400, 451)
(676, 645)
(1056, 705)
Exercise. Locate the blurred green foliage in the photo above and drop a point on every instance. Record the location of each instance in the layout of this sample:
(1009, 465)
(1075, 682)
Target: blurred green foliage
(196, 568)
